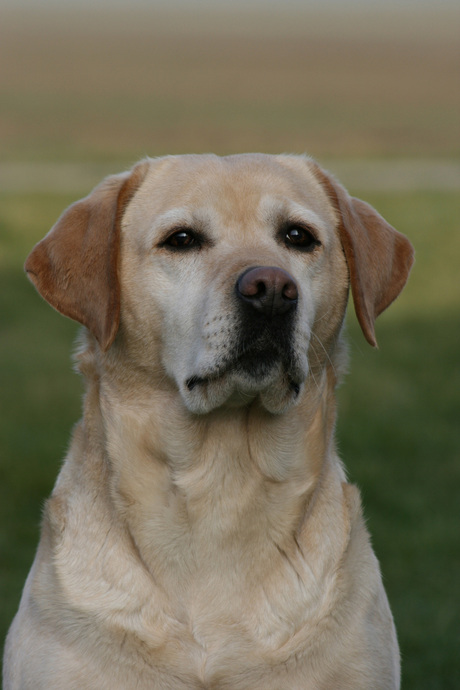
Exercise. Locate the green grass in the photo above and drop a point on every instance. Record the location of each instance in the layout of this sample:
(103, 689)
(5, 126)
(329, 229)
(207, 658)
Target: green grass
(39, 394)
(399, 435)
(397, 431)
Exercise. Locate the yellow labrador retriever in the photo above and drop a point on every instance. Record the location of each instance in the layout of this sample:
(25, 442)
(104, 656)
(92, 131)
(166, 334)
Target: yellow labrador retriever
(202, 533)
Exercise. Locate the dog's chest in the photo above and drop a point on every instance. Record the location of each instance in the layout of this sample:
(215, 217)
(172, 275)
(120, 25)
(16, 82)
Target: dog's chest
(236, 622)
(234, 599)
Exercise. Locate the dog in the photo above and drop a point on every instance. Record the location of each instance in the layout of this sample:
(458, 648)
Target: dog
(202, 533)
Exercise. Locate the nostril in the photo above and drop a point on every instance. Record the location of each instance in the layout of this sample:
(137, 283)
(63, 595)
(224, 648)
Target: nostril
(290, 290)
(252, 288)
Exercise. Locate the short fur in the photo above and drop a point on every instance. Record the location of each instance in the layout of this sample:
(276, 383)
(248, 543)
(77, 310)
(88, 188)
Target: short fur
(202, 534)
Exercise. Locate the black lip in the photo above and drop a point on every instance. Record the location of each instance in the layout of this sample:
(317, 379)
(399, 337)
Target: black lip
(255, 362)
(295, 387)
(195, 381)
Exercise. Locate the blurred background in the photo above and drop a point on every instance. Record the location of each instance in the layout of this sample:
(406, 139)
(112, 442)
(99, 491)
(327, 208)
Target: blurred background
(372, 90)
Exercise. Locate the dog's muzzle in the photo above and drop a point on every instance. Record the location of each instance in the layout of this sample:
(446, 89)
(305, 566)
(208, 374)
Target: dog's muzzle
(261, 354)
(267, 297)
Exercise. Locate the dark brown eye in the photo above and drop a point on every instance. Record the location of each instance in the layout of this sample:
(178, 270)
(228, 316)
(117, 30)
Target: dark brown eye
(300, 238)
(182, 239)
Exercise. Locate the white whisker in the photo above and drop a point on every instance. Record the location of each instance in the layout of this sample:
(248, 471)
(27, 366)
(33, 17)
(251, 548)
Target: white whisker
(326, 352)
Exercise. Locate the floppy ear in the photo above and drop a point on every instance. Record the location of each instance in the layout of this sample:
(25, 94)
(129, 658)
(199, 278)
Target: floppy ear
(379, 258)
(75, 267)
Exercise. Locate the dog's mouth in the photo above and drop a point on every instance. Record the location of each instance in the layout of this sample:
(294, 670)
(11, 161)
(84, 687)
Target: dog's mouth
(196, 381)
(257, 366)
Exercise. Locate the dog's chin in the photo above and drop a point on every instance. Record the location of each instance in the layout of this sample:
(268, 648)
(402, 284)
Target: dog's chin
(274, 387)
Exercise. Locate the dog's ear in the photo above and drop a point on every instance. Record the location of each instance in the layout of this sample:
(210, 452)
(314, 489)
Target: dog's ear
(75, 267)
(379, 258)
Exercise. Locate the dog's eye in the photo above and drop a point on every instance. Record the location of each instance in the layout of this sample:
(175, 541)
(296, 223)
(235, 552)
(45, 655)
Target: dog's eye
(182, 239)
(300, 238)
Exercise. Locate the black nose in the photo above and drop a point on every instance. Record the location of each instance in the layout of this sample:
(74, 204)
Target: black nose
(268, 289)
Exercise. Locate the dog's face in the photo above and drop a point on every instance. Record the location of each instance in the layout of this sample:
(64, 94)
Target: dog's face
(232, 271)
(229, 276)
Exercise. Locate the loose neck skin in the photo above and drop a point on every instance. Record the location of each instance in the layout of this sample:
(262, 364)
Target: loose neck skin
(187, 485)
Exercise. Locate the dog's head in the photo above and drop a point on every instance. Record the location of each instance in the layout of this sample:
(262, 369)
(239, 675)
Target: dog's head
(228, 275)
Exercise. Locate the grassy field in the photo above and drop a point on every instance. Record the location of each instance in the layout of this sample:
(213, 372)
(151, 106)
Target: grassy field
(88, 89)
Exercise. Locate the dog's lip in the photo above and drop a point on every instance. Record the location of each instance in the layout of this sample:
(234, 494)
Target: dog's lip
(204, 378)
(216, 374)
(195, 381)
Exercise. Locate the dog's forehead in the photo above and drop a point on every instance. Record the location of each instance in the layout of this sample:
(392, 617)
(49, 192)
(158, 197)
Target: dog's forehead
(234, 188)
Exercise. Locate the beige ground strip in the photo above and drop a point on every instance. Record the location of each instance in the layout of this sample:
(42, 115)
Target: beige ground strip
(366, 175)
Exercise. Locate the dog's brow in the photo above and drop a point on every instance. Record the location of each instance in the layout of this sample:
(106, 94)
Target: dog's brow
(201, 220)
(173, 217)
(277, 211)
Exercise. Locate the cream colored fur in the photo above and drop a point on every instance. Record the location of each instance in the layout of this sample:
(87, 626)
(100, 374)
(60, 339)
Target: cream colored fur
(206, 537)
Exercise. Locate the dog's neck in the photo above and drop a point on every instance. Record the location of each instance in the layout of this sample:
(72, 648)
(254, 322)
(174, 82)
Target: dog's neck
(194, 484)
